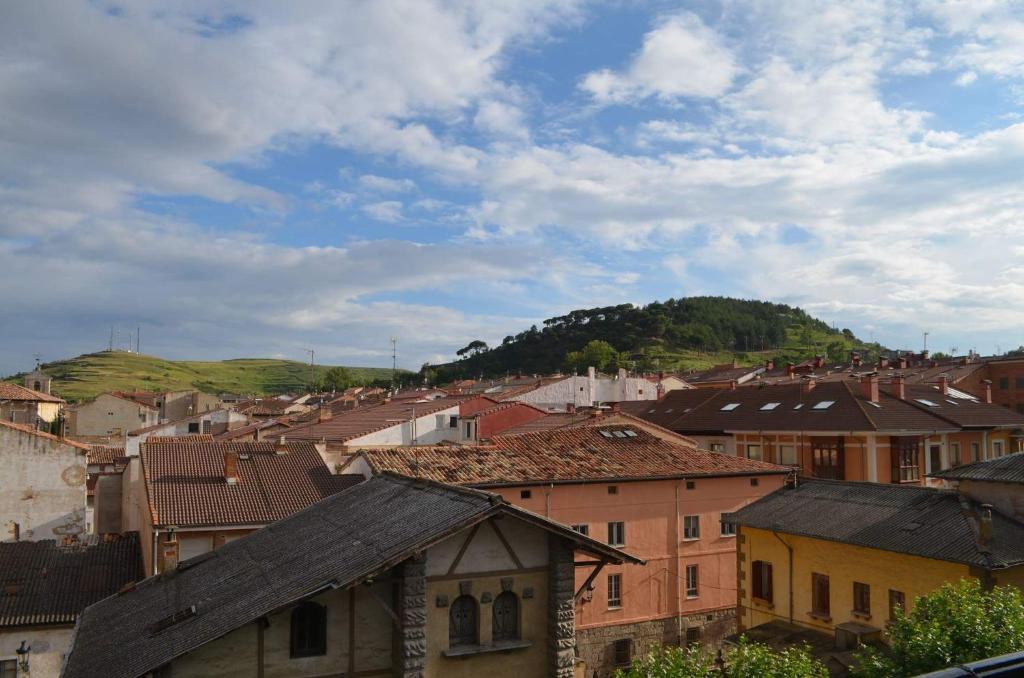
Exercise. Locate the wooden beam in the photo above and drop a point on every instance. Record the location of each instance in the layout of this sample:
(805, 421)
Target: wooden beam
(384, 604)
(508, 547)
(462, 549)
(590, 579)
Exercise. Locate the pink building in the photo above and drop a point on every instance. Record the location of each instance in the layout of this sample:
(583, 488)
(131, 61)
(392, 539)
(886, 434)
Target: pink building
(653, 494)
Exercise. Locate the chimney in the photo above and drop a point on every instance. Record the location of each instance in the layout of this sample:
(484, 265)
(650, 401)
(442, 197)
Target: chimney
(281, 446)
(924, 354)
(790, 370)
(169, 552)
(735, 362)
(899, 388)
(807, 385)
(622, 373)
(985, 524)
(231, 467)
(883, 362)
(944, 384)
(855, 359)
(869, 384)
(902, 362)
(570, 408)
(818, 361)
(733, 384)
(987, 385)
(615, 408)
(325, 412)
(769, 365)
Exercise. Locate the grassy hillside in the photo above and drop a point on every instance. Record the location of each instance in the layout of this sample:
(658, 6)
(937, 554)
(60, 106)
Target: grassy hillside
(675, 335)
(87, 375)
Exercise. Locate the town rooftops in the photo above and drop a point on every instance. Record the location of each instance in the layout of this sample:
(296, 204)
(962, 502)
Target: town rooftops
(918, 521)
(593, 453)
(349, 537)
(829, 406)
(722, 374)
(962, 409)
(361, 421)
(104, 455)
(9, 391)
(43, 583)
(25, 428)
(187, 482)
(1008, 469)
(193, 417)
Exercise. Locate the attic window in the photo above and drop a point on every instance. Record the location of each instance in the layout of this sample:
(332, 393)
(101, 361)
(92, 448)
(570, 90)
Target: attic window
(824, 404)
(770, 406)
(630, 433)
(730, 407)
(668, 411)
(650, 411)
(176, 618)
(925, 401)
(874, 404)
(606, 434)
(619, 434)
(952, 402)
(798, 406)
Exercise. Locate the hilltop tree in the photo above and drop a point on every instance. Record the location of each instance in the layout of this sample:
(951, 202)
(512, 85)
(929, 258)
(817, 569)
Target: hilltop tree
(335, 379)
(955, 624)
(475, 347)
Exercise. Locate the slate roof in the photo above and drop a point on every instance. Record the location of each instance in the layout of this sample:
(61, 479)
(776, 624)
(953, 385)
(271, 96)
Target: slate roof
(721, 374)
(1008, 469)
(42, 583)
(342, 540)
(185, 482)
(665, 411)
(361, 421)
(25, 428)
(597, 452)
(965, 412)
(795, 411)
(9, 391)
(918, 521)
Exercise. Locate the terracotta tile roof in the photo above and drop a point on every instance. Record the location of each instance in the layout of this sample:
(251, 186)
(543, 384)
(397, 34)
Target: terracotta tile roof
(9, 391)
(42, 583)
(368, 419)
(157, 427)
(134, 400)
(265, 407)
(918, 521)
(249, 429)
(104, 455)
(147, 398)
(184, 438)
(186, 487)
(25, 428)
(597, 452)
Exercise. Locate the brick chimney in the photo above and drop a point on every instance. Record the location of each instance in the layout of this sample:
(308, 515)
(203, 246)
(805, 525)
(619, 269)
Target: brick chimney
(899, 386)
(883, 362)
(987, 386)
(325, 412)
(169, 552)
(855, 359)
(790, 370)
(733, 384)
(819, 360)
(925, 354)
(570, 408)
(615, 408)
(231, 468)
(807, 385)
(769, 364)
(902, 362)
(281, 446)
(944, 384)
(869, 385)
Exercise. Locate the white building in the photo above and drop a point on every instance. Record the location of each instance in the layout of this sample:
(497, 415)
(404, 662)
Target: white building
(589, 390)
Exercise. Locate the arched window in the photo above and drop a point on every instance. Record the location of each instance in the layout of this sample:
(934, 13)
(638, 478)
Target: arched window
(462, 622)
(309, 630)
(505, 625)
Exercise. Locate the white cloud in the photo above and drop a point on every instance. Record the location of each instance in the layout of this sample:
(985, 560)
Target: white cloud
(681, 57)
(386, 210)
(966, 78)
(377, 184)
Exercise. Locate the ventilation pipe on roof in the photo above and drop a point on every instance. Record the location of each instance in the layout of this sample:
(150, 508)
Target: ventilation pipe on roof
(231, 468)
(899, 386)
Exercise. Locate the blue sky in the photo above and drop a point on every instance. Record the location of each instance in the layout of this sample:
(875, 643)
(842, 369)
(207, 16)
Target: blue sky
(254, 179)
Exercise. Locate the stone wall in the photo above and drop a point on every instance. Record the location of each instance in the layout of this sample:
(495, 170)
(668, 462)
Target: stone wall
(561, 608)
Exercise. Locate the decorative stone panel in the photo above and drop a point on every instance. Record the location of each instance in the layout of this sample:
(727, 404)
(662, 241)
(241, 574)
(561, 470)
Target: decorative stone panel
(561, 608)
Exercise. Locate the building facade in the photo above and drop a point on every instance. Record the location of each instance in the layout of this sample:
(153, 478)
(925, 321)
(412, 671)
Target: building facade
(110, 415)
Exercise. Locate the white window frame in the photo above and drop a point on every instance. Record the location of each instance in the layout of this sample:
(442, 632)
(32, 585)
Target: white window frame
(691, 526)
(693, 586)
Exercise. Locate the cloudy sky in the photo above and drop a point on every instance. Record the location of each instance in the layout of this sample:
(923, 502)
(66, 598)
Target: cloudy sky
(257, 178)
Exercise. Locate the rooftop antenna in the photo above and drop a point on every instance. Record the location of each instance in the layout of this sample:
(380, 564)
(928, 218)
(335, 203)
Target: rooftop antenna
(926, 341)
(394, 360)
(110, 346)
(37, 359)
(312, 378)
(138, 333)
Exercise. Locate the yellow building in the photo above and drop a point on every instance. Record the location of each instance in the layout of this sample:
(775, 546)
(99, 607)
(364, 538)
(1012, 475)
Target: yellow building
(839, 557)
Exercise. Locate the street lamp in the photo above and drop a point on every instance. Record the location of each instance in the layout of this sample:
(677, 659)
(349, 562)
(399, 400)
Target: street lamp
(23, 654)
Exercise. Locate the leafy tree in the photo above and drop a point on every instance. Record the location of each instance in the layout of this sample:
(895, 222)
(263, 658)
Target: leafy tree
(955, 624)
(473, 348)
(335, 379)
(597, 353)
(836, 351)
(746, 660)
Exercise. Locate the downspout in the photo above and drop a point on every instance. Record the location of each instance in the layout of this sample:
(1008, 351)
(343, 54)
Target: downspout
(790, 549)
(547, 501)
(156, 549)
(676, 586)
(261, 625)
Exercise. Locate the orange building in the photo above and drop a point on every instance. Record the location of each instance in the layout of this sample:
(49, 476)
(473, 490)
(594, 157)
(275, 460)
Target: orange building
(640, 488)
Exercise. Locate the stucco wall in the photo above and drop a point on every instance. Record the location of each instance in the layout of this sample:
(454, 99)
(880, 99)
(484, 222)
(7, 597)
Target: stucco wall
(49, 645)
(215, 421)
(585, 391)
(430, 428)
(108, 414)
(42, 487)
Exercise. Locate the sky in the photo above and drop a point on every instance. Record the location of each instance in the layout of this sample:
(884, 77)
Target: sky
(254, 179)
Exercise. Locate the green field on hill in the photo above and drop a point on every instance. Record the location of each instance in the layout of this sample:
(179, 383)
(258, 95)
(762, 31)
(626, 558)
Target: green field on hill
(88, 375)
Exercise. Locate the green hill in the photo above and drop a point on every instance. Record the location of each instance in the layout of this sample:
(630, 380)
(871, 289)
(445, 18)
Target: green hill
(674, 335)
(88, 375)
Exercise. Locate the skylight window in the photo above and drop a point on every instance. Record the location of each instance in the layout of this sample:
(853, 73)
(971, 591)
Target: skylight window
(874, 404)
(606, 434)
(824, 404)
(730, 407)
(619, 434)
(668, 411)
(925, 401)
(770, 406)
(629, 433)
(798, 406)
(952, 402)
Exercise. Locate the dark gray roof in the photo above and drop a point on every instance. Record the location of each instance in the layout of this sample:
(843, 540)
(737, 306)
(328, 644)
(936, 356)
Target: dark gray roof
(335, 543)
(915, 520)
(1008, 469)
(43, 583)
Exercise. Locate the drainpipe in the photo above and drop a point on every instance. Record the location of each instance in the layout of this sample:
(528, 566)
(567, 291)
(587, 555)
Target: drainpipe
(984, 445)
(156, 549)
(790, 549)
(679, 598)
(547, 500)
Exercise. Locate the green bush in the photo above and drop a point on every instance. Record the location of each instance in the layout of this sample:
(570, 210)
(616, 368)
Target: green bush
(746, 660)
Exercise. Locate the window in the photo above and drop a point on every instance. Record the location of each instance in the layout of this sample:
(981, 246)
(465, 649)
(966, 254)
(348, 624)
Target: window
(613, 489)
(769, 406)
(623, 651)
(787, 455)
(505, 620)
(691, 581)
(861, 598)
(824, 404)
(729, 407)
(616, 534)
(718, 447)
(615, 590)
(582, 529)
(453, 422)
(897, 602)
(309, 630)
(462, 625)
(690, 485)
(525, 494)
(754, 482)
(997, 448)
(1004, 383)
(905, 454)
(925, 401)
(820, 595)
(693, 635)
(1018, 383)
(728, 528)
(935, 457)
(9, 668)
(469, 429)
(193, 427)
(207, 426)
(798, 406)
(761, 573)
(827, 458)
(954, 454)
(975, 451)
(754, 452)
(691, 527)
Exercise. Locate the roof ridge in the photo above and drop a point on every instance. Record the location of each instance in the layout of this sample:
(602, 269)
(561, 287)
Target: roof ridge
(860, 405)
